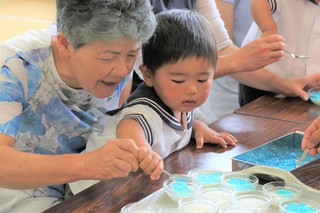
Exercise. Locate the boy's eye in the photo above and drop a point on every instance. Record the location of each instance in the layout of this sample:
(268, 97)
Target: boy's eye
(203, 81)
(177, 82)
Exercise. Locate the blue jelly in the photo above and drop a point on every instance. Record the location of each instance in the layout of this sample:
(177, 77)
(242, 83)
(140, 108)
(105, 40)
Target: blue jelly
(209, 178)
(180, 179)
(300, 208)
(315, 94)
(281, 153)
(180, 187)
(285, 193)
(241, 184)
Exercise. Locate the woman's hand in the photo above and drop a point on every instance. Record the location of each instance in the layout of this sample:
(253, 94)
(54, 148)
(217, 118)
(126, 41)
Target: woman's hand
(115, 159)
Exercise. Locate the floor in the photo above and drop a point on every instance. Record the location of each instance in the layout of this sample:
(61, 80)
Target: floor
(18, 16)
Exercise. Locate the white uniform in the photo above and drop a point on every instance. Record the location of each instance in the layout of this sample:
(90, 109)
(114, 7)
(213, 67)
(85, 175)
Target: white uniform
(162, 130)
(223, 98)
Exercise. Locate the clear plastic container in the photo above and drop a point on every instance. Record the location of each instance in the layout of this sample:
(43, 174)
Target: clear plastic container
(299, 205)
(178, 188)
(206, 176)
(242, 182)
(281, 190)
(221, 193)
(236, 209)
(314, 95)
(256, 200)
(139, 208)
(197, 205)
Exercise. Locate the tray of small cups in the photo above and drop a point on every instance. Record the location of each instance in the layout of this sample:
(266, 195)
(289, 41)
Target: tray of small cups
(211, 190)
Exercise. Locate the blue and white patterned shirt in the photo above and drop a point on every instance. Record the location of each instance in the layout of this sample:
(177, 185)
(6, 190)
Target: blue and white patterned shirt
(38, 109)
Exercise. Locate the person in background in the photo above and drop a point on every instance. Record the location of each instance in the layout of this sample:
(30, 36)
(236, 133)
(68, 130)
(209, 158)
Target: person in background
(261, 51)
(301, 37)
(55, 87)
(159, 114)
(237, 18)
(311, 138)
(232, 60)
(224, 96)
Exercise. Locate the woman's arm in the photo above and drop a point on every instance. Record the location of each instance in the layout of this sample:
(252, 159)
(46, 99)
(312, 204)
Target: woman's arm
(226, 10)
(262, 15)
(268, 81)
(253, 56)
(22, 170)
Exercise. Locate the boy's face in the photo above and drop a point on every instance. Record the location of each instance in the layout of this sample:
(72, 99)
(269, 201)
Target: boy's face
(184, 85)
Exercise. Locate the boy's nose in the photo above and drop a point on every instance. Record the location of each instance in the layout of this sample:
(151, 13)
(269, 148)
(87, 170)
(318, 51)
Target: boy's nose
(192, 89)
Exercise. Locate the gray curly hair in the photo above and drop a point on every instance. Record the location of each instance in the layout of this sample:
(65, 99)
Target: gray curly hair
(85, 21)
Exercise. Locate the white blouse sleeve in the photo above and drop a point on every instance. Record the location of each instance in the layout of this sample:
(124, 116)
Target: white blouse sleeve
(208, 9)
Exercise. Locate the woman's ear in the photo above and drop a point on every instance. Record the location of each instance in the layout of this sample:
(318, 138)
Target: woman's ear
(147, 75)
(63, 44)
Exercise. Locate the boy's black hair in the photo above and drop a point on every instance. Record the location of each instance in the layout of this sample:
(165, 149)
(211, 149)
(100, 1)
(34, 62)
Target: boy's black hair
(179, 34)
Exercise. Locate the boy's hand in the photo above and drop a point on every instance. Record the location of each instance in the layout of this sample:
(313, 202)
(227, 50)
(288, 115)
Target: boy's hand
(150, 162)
(204, 134)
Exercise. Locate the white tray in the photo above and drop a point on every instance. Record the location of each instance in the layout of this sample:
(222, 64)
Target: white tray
(164, 202)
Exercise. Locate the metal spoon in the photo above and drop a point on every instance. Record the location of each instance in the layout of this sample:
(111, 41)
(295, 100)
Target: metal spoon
(176, 176)
(167, 173)
(305, 152)
(296, 56)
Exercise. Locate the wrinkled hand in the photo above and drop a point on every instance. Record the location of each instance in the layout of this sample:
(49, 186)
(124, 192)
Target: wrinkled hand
(115, 159)
(311, 138)
(204, 134)
(260, 52)
(150, 162)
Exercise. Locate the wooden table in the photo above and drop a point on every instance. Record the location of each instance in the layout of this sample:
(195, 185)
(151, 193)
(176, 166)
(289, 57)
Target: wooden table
(288, 109)
(251, 131)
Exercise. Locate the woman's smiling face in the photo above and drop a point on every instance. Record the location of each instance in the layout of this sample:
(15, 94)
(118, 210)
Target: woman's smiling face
(100, 66)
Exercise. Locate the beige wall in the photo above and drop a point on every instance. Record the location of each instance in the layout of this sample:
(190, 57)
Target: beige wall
(18, 16)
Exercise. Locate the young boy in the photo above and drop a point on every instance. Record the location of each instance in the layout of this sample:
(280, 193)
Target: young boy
(178, 67)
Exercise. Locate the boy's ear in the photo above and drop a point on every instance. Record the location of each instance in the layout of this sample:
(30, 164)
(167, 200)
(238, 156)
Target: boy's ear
(147, 75)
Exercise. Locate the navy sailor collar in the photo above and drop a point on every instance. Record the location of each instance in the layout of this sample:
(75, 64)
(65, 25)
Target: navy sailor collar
(147, 96)
(273, 4)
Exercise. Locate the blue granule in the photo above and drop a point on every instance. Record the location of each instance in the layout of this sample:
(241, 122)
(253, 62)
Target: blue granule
(282, 153)
(300, 208)
(315, 95)
(241, 184)
(285, 193)
(210, 178)
(180, 187)
(180, 179)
